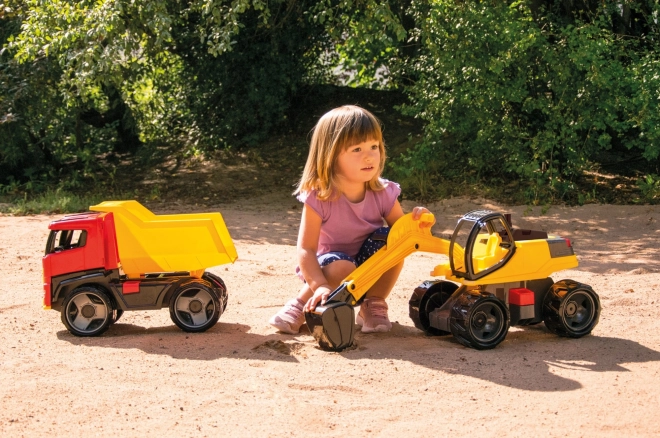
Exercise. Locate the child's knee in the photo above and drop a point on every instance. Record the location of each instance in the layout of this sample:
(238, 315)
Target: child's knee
(336, 271)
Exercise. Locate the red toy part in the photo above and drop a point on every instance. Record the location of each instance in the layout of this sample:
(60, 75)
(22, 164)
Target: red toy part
(131, 287)
(79, 242)
(521, 304)
(521, 296)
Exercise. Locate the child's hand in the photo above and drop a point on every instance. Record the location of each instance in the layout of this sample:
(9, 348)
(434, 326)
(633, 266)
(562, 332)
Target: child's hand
(320, 296)
(417, 214)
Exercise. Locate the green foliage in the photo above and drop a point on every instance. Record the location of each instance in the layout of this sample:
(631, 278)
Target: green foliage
(45, 137)
(507, 94)
(80, 80)
(35, 126)
(93, 42)
(649, 187)
(244, 93)
(367, 35)
(529, 91)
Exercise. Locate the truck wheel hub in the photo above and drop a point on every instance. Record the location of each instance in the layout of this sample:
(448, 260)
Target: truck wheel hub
(88, 311)
(571, 309)
(195, 306)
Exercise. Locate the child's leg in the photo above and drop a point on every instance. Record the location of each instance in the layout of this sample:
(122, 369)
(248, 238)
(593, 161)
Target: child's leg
(373, 310)
(305, 293)
(335, 267)
(382, 288)
(334, 273)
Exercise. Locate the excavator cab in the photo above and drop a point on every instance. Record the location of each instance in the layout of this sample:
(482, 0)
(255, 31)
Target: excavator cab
(482, 242)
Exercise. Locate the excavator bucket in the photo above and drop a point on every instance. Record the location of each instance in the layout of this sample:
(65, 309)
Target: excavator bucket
(332, 325)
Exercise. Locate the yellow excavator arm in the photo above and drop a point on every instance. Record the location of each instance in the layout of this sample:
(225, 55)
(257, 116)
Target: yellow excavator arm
(406, 236)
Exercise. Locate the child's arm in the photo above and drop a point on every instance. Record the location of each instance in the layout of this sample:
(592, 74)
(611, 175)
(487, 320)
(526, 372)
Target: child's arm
(308, 242)
(396, 212)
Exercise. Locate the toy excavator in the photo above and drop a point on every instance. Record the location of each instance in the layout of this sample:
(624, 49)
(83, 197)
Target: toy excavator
(496, 277)
(120, 256)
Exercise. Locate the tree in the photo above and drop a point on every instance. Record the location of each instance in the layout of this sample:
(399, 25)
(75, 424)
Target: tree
(207, 73)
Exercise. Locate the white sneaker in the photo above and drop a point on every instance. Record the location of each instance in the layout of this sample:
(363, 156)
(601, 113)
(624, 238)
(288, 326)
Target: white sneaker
(373, 316)
(289, 318)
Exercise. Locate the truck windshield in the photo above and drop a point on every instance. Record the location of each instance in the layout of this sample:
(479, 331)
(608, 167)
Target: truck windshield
(61, 240)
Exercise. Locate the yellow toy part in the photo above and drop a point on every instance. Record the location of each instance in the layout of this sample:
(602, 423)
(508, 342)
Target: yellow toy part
(496, 277)
(168, 243)
(405, 237)
(531, 261)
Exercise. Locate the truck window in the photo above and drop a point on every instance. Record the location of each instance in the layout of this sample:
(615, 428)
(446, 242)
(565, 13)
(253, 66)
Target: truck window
(62, 240)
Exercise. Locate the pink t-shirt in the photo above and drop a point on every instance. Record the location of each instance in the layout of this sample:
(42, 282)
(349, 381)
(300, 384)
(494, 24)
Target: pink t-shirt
(346, 225)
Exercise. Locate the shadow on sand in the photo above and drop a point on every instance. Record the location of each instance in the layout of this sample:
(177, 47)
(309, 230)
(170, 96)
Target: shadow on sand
(221, 341)
(525, 360)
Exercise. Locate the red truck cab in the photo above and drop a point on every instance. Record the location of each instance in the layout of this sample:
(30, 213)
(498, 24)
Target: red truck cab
(77, 243)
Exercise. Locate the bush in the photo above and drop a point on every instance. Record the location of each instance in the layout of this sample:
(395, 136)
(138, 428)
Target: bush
(242, 95)
(87, 80)
(509, 94)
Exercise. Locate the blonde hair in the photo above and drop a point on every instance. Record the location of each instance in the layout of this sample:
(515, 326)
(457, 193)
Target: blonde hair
(336, 131)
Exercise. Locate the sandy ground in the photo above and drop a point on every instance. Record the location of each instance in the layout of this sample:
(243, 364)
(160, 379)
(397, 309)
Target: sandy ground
(145, 377)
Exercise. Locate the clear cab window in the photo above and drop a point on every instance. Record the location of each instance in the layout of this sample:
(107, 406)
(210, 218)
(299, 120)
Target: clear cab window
(461, 235)
(62, 240)
(491, 246)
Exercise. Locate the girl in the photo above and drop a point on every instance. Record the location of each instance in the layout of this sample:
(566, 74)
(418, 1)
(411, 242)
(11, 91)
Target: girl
(345, 203)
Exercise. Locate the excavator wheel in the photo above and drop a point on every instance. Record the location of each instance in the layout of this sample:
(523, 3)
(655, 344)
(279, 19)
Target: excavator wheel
(479, 321)
(571, 309)
(427, 297)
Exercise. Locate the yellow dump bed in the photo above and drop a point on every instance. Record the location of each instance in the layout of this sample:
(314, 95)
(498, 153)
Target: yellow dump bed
(167, 243)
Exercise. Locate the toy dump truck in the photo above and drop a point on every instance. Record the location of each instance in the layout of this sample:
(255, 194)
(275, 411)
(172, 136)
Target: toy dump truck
(495, 278)
(120, 256)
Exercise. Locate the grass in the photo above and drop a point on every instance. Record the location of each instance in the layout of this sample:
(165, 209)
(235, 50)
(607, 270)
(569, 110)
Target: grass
(56, 202)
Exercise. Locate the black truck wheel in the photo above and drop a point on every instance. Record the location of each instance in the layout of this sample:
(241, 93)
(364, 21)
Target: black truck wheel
(427, 297)
(479, 321)
(221, 288)
(571, 309)
(118, 313)
(87, 311)
(195, 307)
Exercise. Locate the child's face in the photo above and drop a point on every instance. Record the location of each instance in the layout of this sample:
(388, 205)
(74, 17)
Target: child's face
(360, 162)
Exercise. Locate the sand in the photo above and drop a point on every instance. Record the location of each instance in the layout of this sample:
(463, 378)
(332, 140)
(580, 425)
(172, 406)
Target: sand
(146, 377)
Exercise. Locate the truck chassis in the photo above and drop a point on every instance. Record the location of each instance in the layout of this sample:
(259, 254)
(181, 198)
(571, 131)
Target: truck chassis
(91, 301)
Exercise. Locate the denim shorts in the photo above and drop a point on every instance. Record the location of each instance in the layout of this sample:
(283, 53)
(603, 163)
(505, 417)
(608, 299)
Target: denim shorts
(374, 242)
